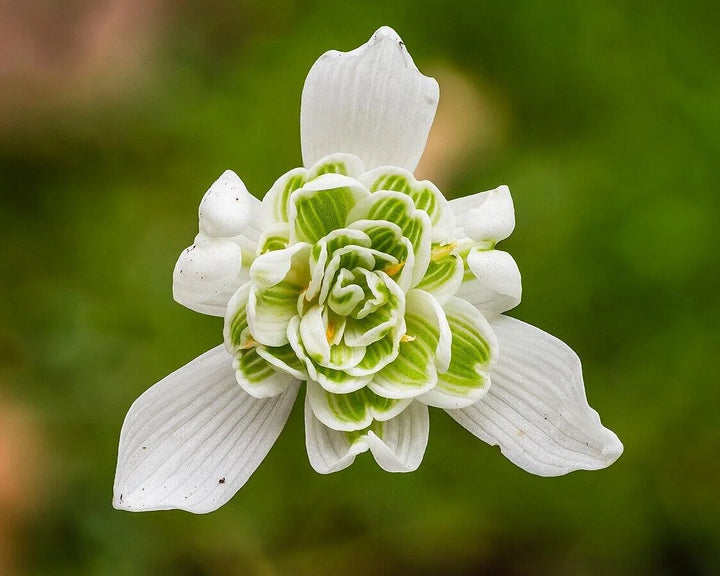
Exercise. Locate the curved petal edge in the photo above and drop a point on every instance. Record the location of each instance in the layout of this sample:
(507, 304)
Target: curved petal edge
(536, 409)
(371, 102)
(192, 440)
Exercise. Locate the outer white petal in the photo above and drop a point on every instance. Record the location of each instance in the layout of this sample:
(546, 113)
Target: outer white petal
(486, 215)
(536, 409)
(404, 439)
(497, 286)
(212, 269)
(371, 102)
(228, 209)
(329, 450)
(194, 438)
(208, 273)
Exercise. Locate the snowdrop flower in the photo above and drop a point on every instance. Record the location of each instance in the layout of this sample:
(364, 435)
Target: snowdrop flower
(371, 289)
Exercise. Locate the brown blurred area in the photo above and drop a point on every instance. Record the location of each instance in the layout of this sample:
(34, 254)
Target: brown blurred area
(60, 54)
(22, 477)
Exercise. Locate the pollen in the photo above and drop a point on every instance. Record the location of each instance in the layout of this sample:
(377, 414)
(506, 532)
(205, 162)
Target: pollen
(249, 343)
(330, 332)
(407, 338)
(393, 269)
(442, 251)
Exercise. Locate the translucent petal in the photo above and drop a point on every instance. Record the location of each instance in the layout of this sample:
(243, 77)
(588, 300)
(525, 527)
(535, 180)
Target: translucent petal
(486, 216)
(371, 102)
(536, 409)
(401, 444)
(207, 274)
(495, 284)
(194, 438)
(228, 209)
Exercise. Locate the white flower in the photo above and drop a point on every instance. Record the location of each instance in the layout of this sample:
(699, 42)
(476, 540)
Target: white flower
(371, 288)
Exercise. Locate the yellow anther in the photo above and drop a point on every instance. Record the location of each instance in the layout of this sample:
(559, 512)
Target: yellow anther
(393, 269)
(249, 343)
(442, 251)
(406, 338)
(330, 332)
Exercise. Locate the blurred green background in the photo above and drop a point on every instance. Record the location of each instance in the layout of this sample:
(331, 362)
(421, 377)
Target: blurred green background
(604, 120)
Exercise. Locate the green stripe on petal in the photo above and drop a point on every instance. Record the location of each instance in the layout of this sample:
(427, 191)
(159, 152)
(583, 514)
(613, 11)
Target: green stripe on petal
(345, 412)
(426, 342)
(340, 163)
(270, 310)
(235, 325)
(338, 381)
(425, 196)
(424, 305)
(345, 296)
(283, 358)
(351, 412)
(275, 203)
(443, 277)
(399, 209)
(413, 372)
(384, 236)
(322, 206)
(379, 354)
(474, 348)
(274, 237)
(259, 378)
(335, 381)
(384, 409)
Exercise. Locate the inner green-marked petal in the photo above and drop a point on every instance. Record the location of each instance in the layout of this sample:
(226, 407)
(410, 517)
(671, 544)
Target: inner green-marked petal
(413, 371)
(425, 196)
(443, 277)
(275, 203)
(399, 209)
(270, 310)
(353, 411)
(322, 206)
(473, 350)
(340, 163)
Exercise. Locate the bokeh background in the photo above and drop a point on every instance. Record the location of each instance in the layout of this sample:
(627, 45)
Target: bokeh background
(604, 120)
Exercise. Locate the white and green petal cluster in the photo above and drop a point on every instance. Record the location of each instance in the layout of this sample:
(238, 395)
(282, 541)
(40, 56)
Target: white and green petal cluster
(353, 290)
(367, 288)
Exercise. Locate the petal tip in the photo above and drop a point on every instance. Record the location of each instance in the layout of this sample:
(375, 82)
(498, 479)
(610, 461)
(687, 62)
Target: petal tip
(386, 32)
(613, 449)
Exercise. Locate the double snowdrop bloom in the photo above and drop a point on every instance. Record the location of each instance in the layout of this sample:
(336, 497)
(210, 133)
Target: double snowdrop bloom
(369, 287)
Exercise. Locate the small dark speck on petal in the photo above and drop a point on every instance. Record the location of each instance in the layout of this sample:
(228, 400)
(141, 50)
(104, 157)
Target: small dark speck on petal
(222, 480)
(144, 447)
